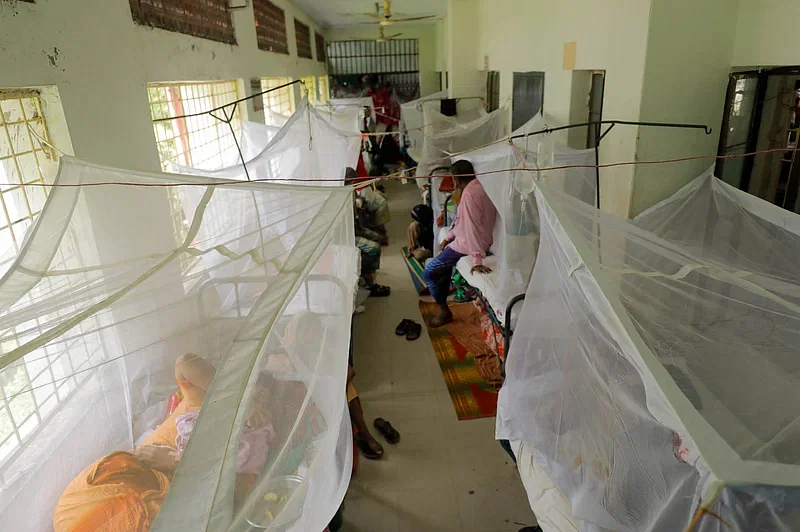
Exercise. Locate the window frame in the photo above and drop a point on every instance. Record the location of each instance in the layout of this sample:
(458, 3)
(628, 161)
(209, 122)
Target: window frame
(210, 19)
(271, 29)
(302, 36)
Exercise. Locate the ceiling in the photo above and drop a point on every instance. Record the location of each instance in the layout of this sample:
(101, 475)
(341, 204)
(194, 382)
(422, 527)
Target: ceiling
(332, 13)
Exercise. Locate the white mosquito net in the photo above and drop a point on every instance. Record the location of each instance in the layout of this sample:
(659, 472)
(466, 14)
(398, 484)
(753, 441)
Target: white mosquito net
(308, 148)
(446, 136)
(502, 172)
(360, 103)
(345, 117)
(121, 309)
(412, 121)
(651, 371)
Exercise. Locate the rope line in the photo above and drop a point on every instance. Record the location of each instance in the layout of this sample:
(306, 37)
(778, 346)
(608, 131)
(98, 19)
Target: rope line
(397, 175)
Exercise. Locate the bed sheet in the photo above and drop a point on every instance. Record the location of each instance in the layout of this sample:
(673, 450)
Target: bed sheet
(552, 508)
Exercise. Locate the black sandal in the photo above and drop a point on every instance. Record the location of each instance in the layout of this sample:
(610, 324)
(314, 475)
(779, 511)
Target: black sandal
(414, 331)
(404, 327)
(377, 290)
(387, 430)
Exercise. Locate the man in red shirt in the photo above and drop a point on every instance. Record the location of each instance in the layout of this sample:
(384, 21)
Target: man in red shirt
(472, 235)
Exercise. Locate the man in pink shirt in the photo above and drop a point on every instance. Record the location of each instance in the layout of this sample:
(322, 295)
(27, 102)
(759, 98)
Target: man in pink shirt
(472, 235)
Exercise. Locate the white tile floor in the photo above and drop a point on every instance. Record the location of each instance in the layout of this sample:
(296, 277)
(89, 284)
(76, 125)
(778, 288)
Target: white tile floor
(445, 474)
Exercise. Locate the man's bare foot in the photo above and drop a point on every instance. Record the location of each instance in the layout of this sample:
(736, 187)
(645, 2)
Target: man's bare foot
(369, 446)
(444, 317)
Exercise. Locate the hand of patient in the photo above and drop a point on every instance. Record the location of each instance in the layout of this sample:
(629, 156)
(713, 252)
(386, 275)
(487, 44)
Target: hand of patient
(481, 269)
(157, 457)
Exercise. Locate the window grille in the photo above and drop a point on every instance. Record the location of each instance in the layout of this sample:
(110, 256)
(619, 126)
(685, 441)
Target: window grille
(199, 141)
(279, 102)
(323, 89)
(270, 27)
(310, 83)
(25, 159)
(348, 58)
(33, 388)
(209, 19)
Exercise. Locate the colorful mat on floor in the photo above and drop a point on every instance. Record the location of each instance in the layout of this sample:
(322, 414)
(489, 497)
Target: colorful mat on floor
(456, 345)
(415, 268)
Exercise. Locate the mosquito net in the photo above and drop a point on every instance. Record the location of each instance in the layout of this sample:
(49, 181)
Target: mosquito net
(413, 121)
(156, 366)
(652, 374)
(307, 148)
(516, 232)
(345, 117)
(446, 136)
(360, 103)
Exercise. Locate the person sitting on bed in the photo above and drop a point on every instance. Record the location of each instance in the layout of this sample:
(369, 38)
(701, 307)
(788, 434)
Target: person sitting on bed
(420, 233)
(472, 235)
(367, 241)
(374, 213)
(125, 490)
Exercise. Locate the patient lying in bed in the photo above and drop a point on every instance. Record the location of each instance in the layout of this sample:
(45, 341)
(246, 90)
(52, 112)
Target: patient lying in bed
(123, 491)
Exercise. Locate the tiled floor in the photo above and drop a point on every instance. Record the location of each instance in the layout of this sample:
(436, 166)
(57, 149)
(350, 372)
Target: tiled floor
(445, 474)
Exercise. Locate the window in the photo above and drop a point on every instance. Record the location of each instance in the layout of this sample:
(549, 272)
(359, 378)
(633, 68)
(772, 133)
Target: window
(323, 89)
(394, 63)
(279, 104)
(209, 19)
(310, 84)
(303, 37)
(33, 388)
(25, 159)
(270, 27)
(320, 47)
(199, 141)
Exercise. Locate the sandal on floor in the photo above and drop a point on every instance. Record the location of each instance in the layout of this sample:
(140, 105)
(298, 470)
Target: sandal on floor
(387, 430)
(377, 290)
(368, 452)
(404, 327)
(414, 331)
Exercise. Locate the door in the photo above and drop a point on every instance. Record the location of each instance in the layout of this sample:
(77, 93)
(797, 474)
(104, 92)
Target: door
(528, 97)
(737, 128)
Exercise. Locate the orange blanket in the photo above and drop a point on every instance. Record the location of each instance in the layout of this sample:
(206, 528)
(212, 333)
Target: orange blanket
(114, 494)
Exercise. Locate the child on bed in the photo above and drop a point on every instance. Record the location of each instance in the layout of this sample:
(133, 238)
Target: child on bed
(472, 235)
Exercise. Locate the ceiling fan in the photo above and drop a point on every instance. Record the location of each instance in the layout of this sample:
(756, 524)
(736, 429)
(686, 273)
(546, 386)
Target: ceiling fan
(382, 37)
(386, 19)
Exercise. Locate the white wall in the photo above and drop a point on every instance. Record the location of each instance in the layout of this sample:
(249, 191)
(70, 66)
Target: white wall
(766, 33)
(425, 33)
(689, 53)
(529, 35)
(442, 43)
(463, 25)
(101, 63)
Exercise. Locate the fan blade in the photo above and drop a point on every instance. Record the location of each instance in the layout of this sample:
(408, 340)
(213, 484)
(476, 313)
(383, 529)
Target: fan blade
(372, 15)
(412, 19)
(390, 37)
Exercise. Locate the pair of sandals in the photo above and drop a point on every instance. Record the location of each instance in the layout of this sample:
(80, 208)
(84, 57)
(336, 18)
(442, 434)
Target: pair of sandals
(410, 329)
(387, 431)
(378, 290)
